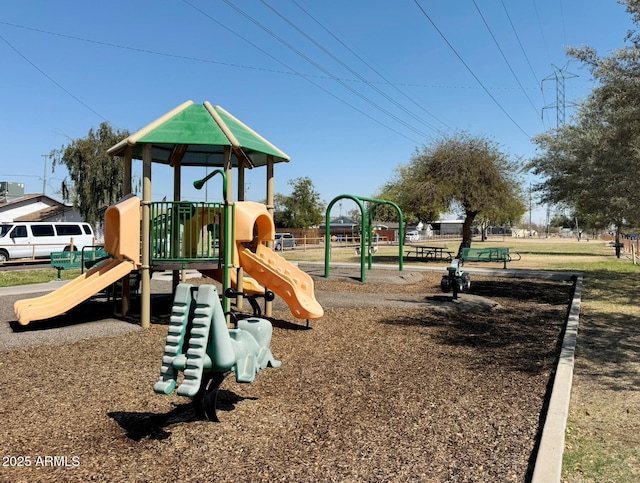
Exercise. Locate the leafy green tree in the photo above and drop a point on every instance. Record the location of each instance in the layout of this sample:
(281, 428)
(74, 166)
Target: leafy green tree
(280, 217)
(97, 177)
(302, 209)
(459, 173)
(590, 165)
(356, 216)
(391, 192)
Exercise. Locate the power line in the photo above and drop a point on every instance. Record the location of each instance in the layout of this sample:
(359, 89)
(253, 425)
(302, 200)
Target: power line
(395, 85)
(53, 81)
(524, 52)
(387, 81)
(361, 78)
(322, 69)
(515, 32)
(564, 26)
(504, 56)
(202, 12)
(544, 40)
(469, 69)
(145, 51)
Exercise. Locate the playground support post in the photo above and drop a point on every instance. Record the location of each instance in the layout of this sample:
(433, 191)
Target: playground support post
(268, 305)
(227, 231)
(145, 275)
(126, 283)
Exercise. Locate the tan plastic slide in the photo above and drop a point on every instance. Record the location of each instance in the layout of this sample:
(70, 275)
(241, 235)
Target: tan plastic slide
(287, 281)
(72, 293)
(122, 240)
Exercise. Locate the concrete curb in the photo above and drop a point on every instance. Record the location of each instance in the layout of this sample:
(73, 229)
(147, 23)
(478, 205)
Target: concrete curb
(548, 466)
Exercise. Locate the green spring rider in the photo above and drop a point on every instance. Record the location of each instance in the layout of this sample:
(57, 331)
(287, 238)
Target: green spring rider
(200, 344)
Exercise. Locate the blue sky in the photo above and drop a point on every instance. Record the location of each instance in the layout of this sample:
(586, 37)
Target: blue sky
(347, 89)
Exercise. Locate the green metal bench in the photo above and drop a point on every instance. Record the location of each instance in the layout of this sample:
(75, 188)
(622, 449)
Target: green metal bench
(489, 254)
(73, 259)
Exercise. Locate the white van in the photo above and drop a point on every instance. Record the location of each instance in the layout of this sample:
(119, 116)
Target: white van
(39, 239)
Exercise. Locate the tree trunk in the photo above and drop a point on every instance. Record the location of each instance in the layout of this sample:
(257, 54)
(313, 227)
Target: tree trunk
(466, 231)
(618, 244)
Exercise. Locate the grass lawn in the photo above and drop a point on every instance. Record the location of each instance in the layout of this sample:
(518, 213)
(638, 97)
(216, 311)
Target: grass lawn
(12, 278)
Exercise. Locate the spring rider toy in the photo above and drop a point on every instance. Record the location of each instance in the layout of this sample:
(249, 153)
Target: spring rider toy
(200, 344)
(456, 279)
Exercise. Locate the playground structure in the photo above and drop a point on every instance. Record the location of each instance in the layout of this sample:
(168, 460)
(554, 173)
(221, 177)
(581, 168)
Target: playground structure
(201, 346)
(367, 248)
(222, 240)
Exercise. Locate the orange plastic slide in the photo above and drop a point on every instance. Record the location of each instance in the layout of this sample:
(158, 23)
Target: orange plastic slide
(265, 268)
(293, 285)
(72, 293)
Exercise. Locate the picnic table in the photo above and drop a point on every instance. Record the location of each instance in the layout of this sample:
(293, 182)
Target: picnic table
(428, 252)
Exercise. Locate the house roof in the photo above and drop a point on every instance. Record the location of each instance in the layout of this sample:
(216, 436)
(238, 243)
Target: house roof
(43, 214)
(29, 197)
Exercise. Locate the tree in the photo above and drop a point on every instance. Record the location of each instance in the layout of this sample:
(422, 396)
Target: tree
(302, 209)
(590, 166)
(97, 177)
(459, 173)
(280, 216)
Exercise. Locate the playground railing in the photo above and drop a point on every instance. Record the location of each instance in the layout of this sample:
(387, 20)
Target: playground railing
(184, 231)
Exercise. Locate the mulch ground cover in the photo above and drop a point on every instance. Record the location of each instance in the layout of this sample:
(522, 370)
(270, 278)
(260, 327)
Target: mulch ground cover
(397, 382)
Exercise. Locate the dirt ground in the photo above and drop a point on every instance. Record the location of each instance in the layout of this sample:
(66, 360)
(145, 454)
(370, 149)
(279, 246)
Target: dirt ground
(397, 382)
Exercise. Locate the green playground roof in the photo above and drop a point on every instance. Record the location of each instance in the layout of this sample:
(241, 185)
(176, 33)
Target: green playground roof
(203, 131)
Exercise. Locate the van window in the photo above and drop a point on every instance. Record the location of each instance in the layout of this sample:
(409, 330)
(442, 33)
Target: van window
(42, 230)
(4, 229)
(19, 232)
(87, 229)
(68, 230)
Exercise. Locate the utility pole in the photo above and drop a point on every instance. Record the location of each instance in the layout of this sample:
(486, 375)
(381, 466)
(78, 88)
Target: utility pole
(44, 174)
(530, 209)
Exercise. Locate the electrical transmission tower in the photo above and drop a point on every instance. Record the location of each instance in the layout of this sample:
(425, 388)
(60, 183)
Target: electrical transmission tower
(559, 75)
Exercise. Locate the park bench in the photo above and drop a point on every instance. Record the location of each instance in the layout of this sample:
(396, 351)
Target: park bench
(489, 254)
(74, 259)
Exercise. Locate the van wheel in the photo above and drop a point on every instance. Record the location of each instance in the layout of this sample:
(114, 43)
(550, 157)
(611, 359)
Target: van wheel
(4, 256)
(71, 248)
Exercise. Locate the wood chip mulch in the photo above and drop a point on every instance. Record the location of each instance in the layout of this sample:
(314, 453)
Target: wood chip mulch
(373, 391)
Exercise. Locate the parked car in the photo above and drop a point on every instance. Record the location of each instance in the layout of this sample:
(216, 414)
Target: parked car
(413, 236)
(284, 240)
